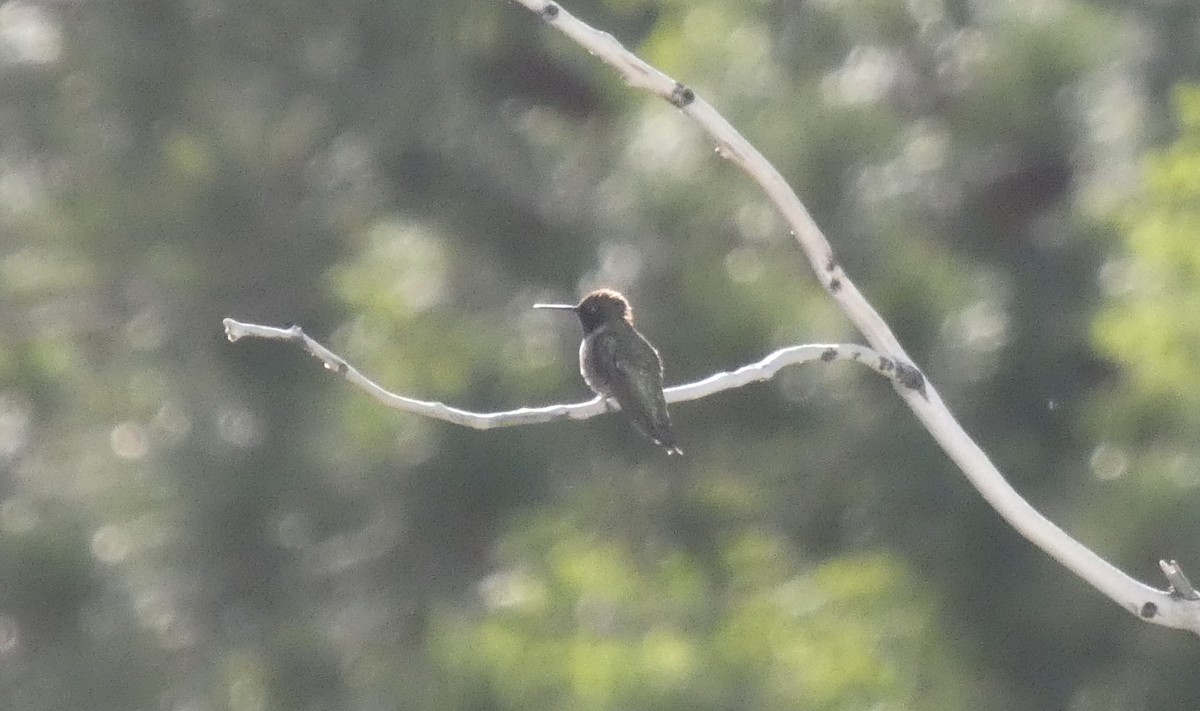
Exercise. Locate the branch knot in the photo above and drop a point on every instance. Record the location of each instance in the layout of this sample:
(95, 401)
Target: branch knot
(681, 95)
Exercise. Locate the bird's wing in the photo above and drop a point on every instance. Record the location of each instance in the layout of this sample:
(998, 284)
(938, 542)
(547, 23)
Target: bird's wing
(634, 358)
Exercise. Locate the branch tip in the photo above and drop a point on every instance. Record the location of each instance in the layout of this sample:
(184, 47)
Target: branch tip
(1181, 587)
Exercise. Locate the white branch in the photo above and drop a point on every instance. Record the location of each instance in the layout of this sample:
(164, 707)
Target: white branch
(1164, 607)
(764, 369)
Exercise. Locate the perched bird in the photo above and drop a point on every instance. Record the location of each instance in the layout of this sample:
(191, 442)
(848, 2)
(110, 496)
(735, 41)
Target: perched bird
(617, 362)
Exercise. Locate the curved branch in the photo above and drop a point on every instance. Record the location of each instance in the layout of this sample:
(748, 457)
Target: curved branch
(1164, 607)
(764, 369)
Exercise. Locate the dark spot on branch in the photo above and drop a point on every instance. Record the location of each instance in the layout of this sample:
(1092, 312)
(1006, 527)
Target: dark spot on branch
(831, 266)
(550, 11)
(1149, 610)
(681, 95)
(911, 378)
(886, 365)
(829, 354)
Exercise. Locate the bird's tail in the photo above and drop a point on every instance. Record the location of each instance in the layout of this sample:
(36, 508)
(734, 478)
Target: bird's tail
(666, 440)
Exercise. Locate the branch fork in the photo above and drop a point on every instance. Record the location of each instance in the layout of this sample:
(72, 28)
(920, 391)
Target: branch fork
(1177, 606)
(1174, 607)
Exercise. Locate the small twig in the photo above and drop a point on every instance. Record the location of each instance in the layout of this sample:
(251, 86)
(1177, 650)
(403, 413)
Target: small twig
(764, 369)
(1181, 587)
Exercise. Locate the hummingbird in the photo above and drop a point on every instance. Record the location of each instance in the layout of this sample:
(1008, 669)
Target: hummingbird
(618, 363)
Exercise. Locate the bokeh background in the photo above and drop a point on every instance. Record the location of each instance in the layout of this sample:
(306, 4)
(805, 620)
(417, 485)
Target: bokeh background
(192, 525)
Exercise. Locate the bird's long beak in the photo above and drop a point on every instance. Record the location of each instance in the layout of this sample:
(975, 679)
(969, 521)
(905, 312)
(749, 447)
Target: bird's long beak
(561, 307)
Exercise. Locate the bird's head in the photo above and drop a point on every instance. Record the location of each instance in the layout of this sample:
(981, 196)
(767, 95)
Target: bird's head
(597, 308)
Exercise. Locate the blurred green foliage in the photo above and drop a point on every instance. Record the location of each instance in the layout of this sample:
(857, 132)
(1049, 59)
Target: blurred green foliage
(580, 621)
(1152, 324)
(187, 524)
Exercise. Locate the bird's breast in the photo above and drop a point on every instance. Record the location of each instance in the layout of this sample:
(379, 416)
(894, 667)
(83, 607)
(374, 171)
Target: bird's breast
(592, 372)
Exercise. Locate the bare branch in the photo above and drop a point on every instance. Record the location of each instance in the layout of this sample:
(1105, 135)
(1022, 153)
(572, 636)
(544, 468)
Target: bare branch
(764, 369)
(1159, 606)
